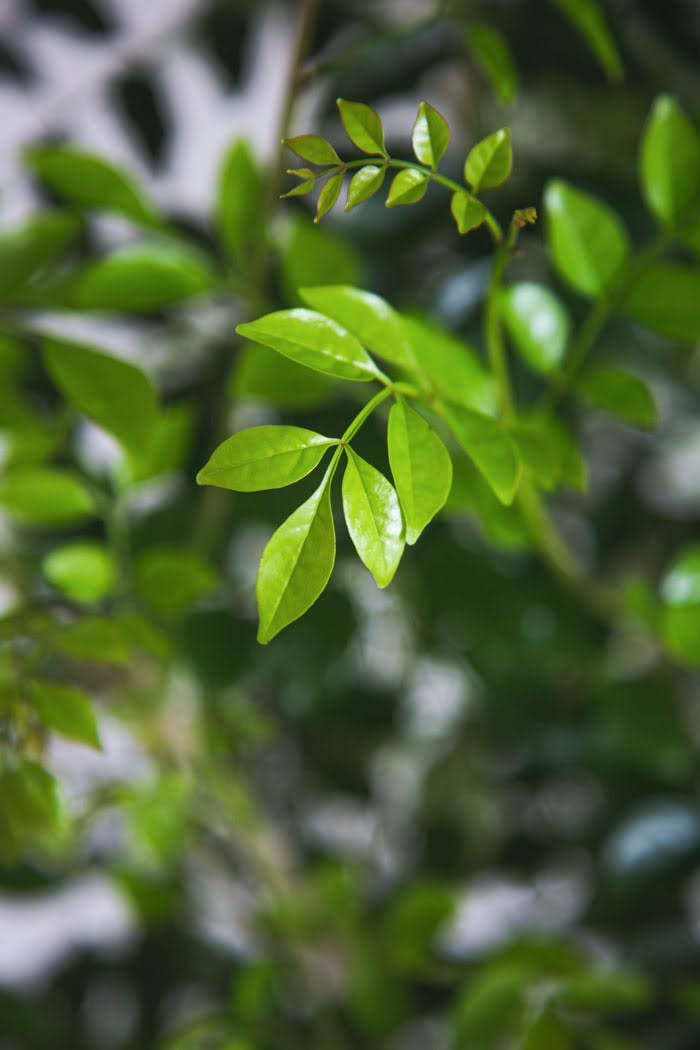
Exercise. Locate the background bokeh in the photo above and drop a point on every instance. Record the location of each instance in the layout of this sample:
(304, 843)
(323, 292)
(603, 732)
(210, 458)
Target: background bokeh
(420, 811)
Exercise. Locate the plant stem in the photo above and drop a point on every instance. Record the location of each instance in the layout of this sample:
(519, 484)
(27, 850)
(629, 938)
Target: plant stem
(493, 332)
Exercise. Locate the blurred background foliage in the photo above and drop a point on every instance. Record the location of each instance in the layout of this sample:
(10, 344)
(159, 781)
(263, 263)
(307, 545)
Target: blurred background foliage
(456, 814)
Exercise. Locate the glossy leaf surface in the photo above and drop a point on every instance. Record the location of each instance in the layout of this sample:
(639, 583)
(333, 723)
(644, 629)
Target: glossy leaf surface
(431, 136)
(490, 162)
(373, 516)
(587, 240)
(266, 457)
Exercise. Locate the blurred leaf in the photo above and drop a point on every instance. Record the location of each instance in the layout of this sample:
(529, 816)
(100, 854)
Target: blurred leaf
(491, 1007)
(85, 572)
(490, 447)
(94, 639)
(156, 815)
(115, 394)
(171, 580)
(421, 467)
(666, 298)
(547, 1033)
(680, 593)
(90, 181)
(314, 255)
(45, 496)
(607, 991)
(240, 204)
(620, 393)
(490, 162)
(538, 324)
(266, 376)
(589, 244)
(144, 277)
(670, 160)
(366, 316)
(31, 801)
(539, 450)
(491, 52)
(471, 494)
(67, 710)
(373, 517)
(266, 457)
(408, 187)
(431, 136)
(451, 366)
(28, 249)
(588, 19)
(412, 923)
(363, 126)
(296, 564)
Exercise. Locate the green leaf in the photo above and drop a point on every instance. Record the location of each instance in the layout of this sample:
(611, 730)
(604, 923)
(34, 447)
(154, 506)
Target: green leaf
(666, 298)
(589, 244)
(491, 51)
(538, 452)
(605, 991)
(67, 710)
(305, 186)
(620, 393)
(313, 148)
(171, 580)
(538, 324)
(588, 19)
(314, 341)
(547, 1032)
(263, 375)
(90, 181)
(144, 277)
(452, 367)
(421, 467)
(85, 572)
(373, 516)
(267, 457)
(490, 448)
(501, 526)
(296, 563)
(431, 136)
(364, 184)
(363, 126)
(467, 211)
(27, 250)
(490, 162)
(116, 395)
(94, 639)
(408, 187)
(366, 316)
(45, 496)
(328, 195)
(240, 204)
(572, 466)
(670, 160)
(31, 801)
(680, 592)
(316, 255)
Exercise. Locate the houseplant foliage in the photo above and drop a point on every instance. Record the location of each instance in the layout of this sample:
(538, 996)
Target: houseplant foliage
(451, 803)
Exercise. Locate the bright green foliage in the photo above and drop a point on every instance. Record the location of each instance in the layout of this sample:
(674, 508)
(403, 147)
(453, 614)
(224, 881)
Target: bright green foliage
(491, 52)
(95, 639)
(328, 195)
(490, 162)
(408, 187)
(239, 208)
(589, 244)
(266, 457)
(670, 160)
(65, 709)
(28, 249)
(490, 448)
(85, 572)
(450, 366)
(314, 341)
(431, 136)
(680, 593)
(313, 255)
(374, 519)
(538, 324)
(32, 807)
(296, 563)
(588, 19)
(666, 298)
(367, 316)
(116, 395)
(171, 580)
(363, 126)
(45, 496)
(364, 184)
(263, 375)
(144, 277)
(539, 451)
(90, 181)
(421, 467)
(467, 211)
(620, 393)
(313, 148)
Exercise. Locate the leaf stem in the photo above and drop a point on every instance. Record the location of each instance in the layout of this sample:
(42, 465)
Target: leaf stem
(493, 332)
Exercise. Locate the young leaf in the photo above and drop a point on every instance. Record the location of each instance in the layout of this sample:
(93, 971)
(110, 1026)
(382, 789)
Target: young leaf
(490, 162)
(171, 580)
(491, 51)
(240, 203)
(116, 395)
(670, 160)
(67, 710)
(588, 242)
(452, 367)
(408, 187)
(144, 277)
(421, 467)
(305, 186)
(314, 341)
(538, 324)
(467, 211)
(85, 572)
(313, 148)
(364, 184)
(328, 195)
(363, 126)
(490, 448)
(90, 181)
(367, 316)
(296, 564)
(620, 393)
(666, 298)
(431, 136)
(26, 250)
(45, 496)
(373, 516)
(586, 16)
(266, 457)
